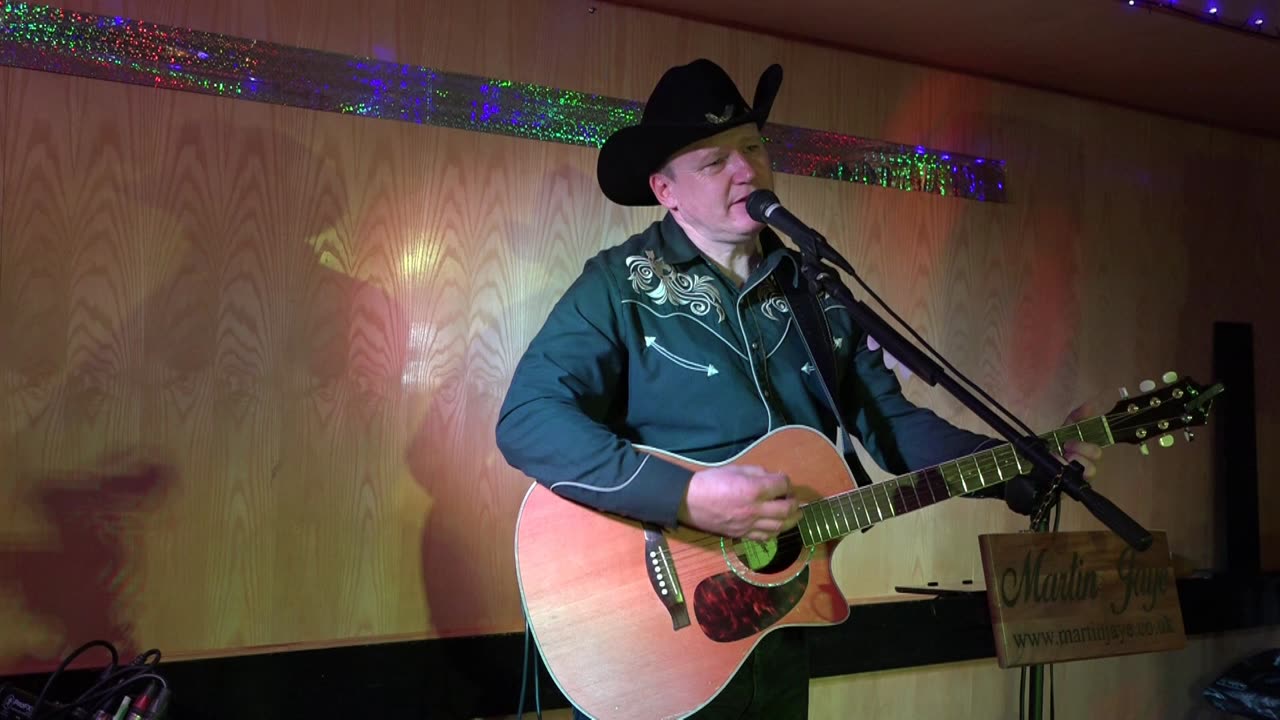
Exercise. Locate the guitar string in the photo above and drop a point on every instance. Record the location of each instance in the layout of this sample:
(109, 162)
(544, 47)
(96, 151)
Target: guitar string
(696, 555)
(866, 499)
(706, 552)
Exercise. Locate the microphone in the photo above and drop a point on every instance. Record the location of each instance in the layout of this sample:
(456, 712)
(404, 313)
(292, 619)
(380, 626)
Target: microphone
(765, 207)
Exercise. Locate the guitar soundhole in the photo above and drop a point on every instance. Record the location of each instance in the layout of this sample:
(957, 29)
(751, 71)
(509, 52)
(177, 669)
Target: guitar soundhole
(770, 556)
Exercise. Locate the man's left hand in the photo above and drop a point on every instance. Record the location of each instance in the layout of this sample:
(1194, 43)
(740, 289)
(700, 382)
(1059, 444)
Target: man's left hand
(1083, 452)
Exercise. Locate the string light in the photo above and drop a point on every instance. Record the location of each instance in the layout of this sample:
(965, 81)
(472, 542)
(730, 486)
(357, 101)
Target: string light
(1211, 15)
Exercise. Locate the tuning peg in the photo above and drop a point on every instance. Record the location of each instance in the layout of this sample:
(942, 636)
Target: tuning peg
(1166, 441)
(1169, 378)
(1145, 450)
(1189, 435)
(1124, 393)
(1146, 386)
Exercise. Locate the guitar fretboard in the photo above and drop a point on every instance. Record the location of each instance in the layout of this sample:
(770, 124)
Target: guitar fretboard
(839, 515)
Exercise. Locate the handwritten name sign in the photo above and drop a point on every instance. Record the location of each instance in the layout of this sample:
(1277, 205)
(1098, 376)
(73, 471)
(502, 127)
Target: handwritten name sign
(1069, 596)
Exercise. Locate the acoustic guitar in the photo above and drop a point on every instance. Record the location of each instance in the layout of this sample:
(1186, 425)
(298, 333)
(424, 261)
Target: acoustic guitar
(636, 622)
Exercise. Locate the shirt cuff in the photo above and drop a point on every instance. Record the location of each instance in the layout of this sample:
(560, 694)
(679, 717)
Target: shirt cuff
(661, 486)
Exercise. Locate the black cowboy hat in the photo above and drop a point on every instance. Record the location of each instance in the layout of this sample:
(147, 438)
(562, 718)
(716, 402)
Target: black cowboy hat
(691, 102)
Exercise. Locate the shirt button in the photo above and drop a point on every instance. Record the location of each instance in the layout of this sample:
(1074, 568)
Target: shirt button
(755, 346)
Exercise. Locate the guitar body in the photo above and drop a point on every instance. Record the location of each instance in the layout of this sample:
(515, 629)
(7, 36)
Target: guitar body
(634, 623)
(618, 647)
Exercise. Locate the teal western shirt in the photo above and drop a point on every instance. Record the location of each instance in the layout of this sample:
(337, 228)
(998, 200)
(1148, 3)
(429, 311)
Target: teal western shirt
(653, 345)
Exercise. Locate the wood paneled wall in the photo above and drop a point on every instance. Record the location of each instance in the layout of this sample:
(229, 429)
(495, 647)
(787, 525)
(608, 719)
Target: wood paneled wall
(251, 356)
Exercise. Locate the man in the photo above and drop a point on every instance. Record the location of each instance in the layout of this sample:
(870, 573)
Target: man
(681, 338)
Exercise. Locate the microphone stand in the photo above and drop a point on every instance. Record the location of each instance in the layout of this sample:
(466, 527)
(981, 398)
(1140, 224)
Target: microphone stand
(1066, 478)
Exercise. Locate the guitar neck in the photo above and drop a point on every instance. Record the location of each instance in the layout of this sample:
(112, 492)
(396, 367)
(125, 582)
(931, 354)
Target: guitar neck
(839, 515)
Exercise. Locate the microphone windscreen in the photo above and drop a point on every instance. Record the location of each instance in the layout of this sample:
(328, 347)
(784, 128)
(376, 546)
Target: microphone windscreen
(758, 202)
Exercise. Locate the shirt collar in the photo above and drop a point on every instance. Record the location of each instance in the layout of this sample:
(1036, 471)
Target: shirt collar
(675, 246)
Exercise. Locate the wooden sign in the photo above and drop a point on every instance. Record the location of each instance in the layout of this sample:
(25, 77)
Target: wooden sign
(1076, 595)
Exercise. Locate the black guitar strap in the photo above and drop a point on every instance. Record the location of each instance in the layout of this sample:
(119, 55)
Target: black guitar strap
(815, 333)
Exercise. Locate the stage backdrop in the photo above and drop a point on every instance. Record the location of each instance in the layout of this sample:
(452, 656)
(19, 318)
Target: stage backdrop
(251, 355)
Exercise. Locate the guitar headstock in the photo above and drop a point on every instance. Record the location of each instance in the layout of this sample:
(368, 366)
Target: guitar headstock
(1181, 404)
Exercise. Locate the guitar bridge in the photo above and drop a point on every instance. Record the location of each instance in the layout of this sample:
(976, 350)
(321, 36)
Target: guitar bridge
(662, 577)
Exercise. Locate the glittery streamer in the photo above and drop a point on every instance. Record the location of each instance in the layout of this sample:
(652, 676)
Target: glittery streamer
(797, 151)
(39, 37)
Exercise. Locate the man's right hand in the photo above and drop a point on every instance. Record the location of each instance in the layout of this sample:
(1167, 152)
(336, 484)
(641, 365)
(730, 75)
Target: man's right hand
(740, 501)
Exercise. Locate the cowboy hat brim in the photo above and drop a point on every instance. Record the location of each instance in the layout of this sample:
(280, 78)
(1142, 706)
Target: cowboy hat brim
(632, 154)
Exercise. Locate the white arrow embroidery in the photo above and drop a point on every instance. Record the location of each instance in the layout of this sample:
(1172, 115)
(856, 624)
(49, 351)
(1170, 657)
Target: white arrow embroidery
(652, 342)
(808, 368)
(839, 342)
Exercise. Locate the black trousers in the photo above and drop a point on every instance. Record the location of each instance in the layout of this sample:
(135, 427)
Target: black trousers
(772, 684)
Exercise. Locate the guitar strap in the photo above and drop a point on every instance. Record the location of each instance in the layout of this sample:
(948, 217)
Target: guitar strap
(815, 333)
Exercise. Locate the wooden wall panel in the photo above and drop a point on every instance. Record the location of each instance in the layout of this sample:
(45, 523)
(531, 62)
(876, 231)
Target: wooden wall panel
(251, 356)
